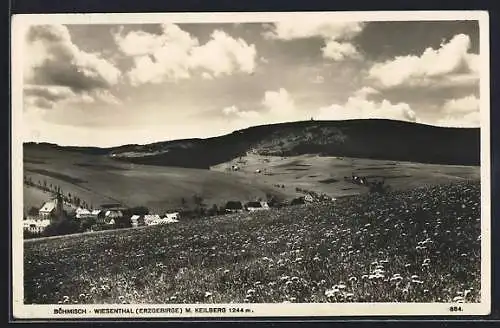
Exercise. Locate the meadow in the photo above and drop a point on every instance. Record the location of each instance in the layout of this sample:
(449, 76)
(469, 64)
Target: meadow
(98, 179)
(417, 245)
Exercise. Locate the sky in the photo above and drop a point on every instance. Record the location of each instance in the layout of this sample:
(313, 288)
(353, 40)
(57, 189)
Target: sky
(108, 85)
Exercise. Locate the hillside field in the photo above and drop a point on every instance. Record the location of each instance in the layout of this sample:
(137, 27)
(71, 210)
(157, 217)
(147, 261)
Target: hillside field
(325, 174)
(418, 245)
(98, 179)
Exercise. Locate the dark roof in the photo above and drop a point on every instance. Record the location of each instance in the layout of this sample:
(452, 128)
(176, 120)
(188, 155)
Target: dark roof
(254, 204)
(234, 205)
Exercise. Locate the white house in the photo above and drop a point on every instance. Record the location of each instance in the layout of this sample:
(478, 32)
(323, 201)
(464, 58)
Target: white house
(47, 209)
(113, 214)
(83, 213)
(168, 220)
(254, 206)
(134, 219)
(152, 219)
(173, 215)
(264, 205)
(35, 225)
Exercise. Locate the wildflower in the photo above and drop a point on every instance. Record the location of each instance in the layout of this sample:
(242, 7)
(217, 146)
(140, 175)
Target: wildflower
(353, 279)
(208, 294)
(226, 271)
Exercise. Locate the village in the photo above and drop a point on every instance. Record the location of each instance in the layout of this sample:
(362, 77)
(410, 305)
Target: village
(62, 215)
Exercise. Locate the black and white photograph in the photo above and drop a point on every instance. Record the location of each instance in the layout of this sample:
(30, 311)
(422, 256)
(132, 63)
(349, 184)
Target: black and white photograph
(253, 164)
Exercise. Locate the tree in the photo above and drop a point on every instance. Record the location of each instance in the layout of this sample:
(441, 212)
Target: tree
(183, 202)
(139, 210)
(198, 200)
(214, 210)
(33, 211)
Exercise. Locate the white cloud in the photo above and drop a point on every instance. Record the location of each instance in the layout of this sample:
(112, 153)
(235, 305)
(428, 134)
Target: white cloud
(462, 105)
(279, 103)
(339, 50)
(365, 92)
(326, 28)
(230, 110)
(358, 107)
(451, 64)
(241, 119)
(334, 33)
(224, 55)
(174, 54)
(461, 112)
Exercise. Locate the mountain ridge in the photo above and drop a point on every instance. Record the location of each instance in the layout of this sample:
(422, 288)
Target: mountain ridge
(373, 139)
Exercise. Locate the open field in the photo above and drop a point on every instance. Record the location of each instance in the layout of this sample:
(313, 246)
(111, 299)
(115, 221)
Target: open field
(326, 174)
(98, 179)
(419, 245)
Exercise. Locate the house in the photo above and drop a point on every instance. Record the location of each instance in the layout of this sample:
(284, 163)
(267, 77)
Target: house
(167, 220)
(264, 205)
(253, 206)
(113, 214)
(35, 226)
(152, 219)
(234, 207)
(308, 198)
(173, 215)
(47, 209)
(134, 219)
(97, 213)
(83, 213)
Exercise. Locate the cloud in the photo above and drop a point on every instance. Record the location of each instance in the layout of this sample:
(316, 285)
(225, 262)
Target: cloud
(325, 28)
(461, 112)
(174, 54)
(51, 96)
(206, 76)
(339, 50)
(365, 92)
(449, 65)
(241, 119)
(59, 73)
(335, 34)
(278, 103)
(359, 107)
(53, 59)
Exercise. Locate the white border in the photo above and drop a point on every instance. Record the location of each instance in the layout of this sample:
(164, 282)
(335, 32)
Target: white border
(22, 311)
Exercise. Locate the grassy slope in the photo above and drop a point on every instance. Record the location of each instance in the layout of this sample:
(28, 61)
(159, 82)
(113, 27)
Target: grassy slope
(292, 254)
(97, 179)
(326, 174)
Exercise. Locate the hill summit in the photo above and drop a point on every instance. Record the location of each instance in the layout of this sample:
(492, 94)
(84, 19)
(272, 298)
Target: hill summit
(371, 139)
